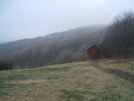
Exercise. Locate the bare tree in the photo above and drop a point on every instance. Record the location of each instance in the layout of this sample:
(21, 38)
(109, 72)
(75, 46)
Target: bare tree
(122, 30)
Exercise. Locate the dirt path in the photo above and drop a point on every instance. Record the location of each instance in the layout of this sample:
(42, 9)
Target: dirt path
(119, 73)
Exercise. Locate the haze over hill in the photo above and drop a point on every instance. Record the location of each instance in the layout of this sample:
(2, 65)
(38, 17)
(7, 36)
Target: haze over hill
(49, 31)
(115, 40)
(50, 48)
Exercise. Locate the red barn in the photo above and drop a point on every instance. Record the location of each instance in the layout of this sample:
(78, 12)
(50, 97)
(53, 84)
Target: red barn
(93, 52)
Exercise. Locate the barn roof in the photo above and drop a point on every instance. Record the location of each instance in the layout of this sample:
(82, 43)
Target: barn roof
(93, 46)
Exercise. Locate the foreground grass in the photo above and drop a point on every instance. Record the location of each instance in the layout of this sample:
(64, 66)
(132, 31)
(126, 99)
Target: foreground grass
(79, 81)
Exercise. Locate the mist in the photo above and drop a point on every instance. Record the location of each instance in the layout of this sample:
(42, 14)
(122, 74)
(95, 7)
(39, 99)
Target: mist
(32, 18)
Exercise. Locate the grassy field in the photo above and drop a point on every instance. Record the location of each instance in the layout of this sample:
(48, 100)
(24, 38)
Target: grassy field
(126, 65)
(78, 81)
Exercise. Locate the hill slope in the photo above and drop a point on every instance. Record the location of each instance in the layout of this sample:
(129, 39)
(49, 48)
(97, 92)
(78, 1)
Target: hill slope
(40, 51)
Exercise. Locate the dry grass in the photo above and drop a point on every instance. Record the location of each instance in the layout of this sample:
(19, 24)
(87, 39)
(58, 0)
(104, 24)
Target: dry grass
(126, 65)
(27, 81)
(79, 81)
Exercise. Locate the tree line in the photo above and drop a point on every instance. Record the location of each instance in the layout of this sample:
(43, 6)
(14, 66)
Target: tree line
(119, 40)
(5, 65)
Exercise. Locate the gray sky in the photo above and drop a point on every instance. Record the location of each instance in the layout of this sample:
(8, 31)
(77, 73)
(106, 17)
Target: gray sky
(31, 18)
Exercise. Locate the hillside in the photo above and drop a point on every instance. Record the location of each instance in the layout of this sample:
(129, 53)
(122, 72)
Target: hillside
(78, 81)
(115, 40)
(27, 53)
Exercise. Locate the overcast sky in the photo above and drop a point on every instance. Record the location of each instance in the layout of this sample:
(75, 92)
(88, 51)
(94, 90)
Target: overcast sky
(31, 18)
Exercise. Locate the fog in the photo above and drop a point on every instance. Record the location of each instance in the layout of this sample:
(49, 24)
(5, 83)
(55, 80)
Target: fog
(32, 18)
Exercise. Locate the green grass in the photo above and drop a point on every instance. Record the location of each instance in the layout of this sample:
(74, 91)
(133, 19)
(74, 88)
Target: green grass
(79, 81)
(76, 95)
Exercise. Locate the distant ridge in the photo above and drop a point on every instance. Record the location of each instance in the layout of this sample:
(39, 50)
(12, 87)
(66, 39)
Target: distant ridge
(39, 51)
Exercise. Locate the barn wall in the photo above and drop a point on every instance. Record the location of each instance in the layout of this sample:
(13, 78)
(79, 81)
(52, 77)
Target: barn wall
(92, 51)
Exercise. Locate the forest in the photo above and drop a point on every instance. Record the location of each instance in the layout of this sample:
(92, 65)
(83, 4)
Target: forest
(5, 65)
(115, 40)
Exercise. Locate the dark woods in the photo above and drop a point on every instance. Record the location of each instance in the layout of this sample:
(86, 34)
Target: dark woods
(5, 65)
(115, 40)
(119, 40)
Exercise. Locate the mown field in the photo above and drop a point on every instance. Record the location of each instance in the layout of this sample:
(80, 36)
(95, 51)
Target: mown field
(78, 81)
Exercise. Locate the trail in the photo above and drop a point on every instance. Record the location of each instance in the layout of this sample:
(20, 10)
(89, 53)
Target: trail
(125, 75)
